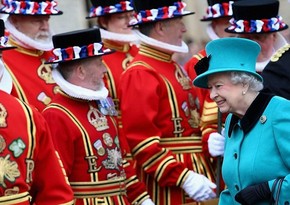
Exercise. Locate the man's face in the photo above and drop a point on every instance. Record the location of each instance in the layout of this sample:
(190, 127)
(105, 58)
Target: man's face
(94, 73)
(173, 31)
(266, 41)
(118, 23)
(219, 25)
(35, 27)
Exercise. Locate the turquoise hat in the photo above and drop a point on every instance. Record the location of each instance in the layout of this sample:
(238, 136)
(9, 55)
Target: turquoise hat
(230, 54)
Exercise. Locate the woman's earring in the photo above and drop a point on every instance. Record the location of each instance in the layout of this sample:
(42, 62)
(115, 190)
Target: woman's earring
(244, 92)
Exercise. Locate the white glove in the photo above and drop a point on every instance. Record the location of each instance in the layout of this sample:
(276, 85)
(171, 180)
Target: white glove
(147, 202)
(198, 187)
(216, 144)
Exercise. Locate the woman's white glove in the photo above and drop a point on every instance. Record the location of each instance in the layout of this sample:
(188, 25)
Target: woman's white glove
(216, 144)
(198, 187)
(147, 202)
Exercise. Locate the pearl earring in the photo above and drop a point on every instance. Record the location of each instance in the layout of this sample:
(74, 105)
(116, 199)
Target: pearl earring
(244, 92)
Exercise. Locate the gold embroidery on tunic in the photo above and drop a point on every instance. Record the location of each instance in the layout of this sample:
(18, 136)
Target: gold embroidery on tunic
(182, 79)
(29, 170)
(8, 170)
(177, 125)
(194, 119)
(44, 72)
(126, 61)
(2, 144)
(3, 115)
(10, 192)
(92, 162)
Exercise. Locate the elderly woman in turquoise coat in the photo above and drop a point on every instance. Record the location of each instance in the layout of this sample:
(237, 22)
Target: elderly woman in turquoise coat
(256, 140)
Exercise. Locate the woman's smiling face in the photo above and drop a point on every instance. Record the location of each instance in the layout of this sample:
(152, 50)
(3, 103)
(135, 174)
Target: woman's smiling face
(227, 95)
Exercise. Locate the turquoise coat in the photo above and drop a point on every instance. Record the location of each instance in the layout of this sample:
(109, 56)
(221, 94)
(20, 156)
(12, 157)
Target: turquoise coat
(257, 148)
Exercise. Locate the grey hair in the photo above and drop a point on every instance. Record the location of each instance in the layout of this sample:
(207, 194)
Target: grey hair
(246, 78)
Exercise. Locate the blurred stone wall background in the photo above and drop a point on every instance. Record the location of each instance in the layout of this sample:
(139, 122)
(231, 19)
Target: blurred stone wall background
(75, 12)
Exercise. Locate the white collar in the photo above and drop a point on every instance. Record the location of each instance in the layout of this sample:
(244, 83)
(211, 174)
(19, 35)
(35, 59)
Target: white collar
(261, 65)
(77, 91)
(280, 41)
(155, 43)
(127, 38)
(26, 41)
(211, 33)
(6, 80)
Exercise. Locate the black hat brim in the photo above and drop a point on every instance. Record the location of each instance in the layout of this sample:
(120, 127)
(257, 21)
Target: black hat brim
(7, 48)
(78, 59)
(262, 32)
(119, 12)
(158, 20)
(16, 14)
(211, 18)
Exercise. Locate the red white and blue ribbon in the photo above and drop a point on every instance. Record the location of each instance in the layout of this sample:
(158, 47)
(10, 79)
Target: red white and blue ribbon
(219, 10)
(257, 26)
(177, 9)
(3, 41)
(76, 52)
(123, 6)
(29, 7)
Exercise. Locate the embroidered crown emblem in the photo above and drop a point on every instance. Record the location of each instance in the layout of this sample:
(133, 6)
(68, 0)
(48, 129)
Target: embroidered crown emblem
(44, 72)
(96, 119)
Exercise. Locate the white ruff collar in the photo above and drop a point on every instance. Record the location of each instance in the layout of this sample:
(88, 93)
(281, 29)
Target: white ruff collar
(127, 38)
(155, 43)
(26, 41)
(6, 80)
(280, 41)
(77, 91)
(211, 33)
(261, 65)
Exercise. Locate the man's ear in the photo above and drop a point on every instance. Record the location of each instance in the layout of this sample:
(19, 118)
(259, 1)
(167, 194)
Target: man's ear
(80, 71)
(13, 20)
(160, 28)
(103, 23)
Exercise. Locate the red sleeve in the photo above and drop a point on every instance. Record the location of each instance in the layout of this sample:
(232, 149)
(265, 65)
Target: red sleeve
(65, 146)
(136, 190)
(50, 184)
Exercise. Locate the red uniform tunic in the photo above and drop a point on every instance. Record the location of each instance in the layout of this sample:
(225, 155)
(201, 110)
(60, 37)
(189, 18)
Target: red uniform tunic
(32, 80)
(30, 169)
(161, 114)
(116, 63)
(88, 145)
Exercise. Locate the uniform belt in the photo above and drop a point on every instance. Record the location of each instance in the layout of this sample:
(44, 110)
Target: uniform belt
(179, 145)
(16, 199)
(99, 189)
